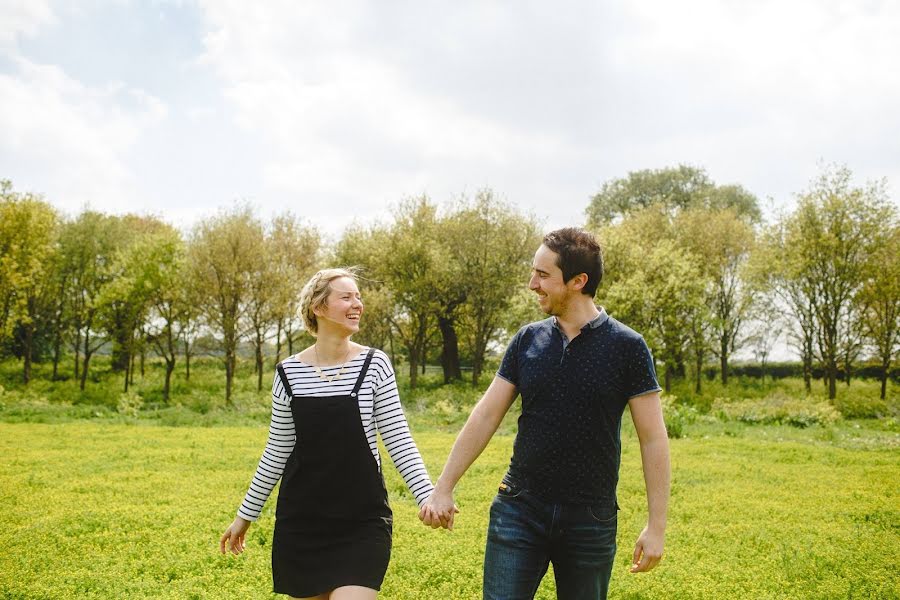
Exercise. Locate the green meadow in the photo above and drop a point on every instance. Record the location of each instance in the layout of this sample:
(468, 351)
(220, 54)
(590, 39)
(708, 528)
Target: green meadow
(775, 494)
(130, 509)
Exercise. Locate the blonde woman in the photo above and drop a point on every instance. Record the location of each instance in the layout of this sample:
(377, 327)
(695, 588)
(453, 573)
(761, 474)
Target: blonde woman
(333, 524)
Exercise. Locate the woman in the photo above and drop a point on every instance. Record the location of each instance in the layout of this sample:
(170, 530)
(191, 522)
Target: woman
(332, 522)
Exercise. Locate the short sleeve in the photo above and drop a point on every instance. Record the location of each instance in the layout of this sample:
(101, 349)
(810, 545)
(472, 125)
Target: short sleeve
(641, 370)
(509, 367)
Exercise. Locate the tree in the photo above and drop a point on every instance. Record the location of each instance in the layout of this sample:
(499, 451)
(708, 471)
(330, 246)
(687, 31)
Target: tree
(224, 252)
(653, 284)
(722, 242)
(826, 247)
(125, 299)
(155, 272)
(407, 267)
(878, 297)
(293, 253)
(777, 267)
(28, 229)
(365, 248)
(672, 189)
(88, 246)
(496, 253)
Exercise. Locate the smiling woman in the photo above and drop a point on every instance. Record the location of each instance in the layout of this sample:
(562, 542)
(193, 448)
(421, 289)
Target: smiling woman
(333, 523)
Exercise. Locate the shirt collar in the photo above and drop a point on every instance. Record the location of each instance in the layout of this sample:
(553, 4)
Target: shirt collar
(592, 324)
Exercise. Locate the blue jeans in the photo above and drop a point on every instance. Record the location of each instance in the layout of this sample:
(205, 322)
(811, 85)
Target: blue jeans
(526, 534)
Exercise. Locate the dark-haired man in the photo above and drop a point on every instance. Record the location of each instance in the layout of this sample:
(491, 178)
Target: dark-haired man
(576, 372)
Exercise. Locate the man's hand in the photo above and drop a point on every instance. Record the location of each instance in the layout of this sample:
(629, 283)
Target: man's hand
(439, 510)
(648, 550)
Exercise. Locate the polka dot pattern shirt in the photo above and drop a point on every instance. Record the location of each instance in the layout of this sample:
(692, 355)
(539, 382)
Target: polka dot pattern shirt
(574, 393)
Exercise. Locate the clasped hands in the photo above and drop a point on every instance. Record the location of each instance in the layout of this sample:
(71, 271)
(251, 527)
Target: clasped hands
(438, 510)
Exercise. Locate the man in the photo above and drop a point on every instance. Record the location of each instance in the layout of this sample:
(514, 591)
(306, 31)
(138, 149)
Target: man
(576, 371)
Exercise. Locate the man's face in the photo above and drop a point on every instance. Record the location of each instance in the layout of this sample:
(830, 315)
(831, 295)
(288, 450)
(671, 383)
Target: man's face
(547, 282)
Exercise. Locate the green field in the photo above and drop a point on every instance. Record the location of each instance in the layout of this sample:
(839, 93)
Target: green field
(118, 510)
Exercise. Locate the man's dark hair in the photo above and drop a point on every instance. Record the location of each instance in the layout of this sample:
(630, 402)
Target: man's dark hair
(578, 252)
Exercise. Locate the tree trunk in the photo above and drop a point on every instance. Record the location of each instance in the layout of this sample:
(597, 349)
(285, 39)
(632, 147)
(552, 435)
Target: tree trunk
(187, 364)
(668, 378)
(87, 359)
(77, 353)
(449, 351)
(128, 367)
(478, 361)
(57, 344)
(391, 342)
(807, 374)
(170, 368)
(259, 364)
(143, 359)
(698, 385)
(278, 343)
(229, 374)
(413, 370)
(84, 371)
(29, 342)
(832, 382)
(723, 361)
(884, 378)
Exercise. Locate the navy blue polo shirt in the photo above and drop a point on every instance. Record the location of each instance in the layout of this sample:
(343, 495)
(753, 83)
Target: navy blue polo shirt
(569, 446)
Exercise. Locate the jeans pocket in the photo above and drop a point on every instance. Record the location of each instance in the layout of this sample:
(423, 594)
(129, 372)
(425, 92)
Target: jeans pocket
(508, 490)
(600, 513)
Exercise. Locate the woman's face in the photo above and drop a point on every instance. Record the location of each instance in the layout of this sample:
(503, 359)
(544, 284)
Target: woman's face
(343, 308)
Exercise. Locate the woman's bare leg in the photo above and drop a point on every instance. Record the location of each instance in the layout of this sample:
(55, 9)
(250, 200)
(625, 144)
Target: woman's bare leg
(353, 592)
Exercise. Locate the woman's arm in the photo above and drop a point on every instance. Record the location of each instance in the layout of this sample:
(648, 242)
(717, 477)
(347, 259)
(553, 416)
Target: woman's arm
(279, 446)
(394, 430)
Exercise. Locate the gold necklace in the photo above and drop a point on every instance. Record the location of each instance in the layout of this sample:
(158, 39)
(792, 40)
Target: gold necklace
(329, 378)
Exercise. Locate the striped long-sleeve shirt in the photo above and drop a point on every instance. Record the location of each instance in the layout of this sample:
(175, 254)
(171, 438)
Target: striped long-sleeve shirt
(379, 410)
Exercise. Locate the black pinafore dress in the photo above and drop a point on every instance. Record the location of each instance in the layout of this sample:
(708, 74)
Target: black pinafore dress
(332, 521)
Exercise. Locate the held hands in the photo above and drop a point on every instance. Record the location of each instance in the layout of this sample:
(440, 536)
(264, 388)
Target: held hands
(648, 550)
(439, 510)
(235, 535)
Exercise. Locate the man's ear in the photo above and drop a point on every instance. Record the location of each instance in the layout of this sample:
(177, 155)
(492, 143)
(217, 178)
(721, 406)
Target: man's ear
(578, 282)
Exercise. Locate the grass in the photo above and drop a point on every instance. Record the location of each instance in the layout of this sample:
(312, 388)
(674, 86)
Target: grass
(106, 498)
(96, 510)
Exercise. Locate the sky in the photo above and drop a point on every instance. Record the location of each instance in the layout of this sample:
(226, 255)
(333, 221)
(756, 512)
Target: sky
(337, 110)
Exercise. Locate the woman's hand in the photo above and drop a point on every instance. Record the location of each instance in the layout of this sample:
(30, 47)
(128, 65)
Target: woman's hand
(235, 535)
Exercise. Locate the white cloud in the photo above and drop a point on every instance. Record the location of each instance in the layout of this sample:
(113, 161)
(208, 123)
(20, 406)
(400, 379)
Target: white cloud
(336, 109)
(23, 18)
(73, 138)
(545, 102)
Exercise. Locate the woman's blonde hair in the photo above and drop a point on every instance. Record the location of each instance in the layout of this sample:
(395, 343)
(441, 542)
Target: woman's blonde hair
(315, 294)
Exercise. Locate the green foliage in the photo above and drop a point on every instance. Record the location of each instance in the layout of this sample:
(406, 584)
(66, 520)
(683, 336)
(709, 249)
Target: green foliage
(857, 406)
(674, 189)
(779, 409)
(819, 259)
(677, 416)
(130, 403)
(801, 518)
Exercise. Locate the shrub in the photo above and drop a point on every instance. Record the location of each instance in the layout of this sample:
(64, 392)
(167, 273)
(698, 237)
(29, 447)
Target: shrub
(130, 403)
(676, 416)
(857, 407)
(777, 408)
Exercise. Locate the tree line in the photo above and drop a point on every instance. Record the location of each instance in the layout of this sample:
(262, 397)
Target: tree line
(689, 263)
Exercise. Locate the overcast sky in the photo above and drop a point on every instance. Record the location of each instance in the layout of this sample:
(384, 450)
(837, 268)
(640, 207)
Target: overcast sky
(335, 110)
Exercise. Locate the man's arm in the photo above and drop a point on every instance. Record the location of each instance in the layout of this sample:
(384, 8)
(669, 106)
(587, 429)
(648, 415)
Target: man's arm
(646, 413)
(481, 425)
